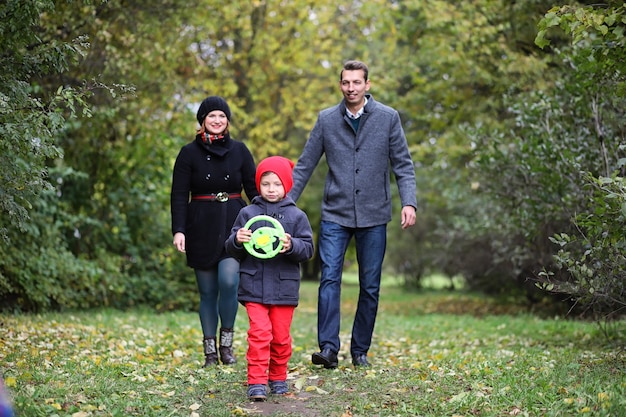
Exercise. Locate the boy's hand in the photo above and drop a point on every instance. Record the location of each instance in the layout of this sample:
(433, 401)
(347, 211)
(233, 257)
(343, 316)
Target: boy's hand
(286, 243)
(243, 235)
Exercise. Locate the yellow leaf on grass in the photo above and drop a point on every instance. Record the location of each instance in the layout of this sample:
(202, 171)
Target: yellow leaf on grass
(10, 381)
(603, 396)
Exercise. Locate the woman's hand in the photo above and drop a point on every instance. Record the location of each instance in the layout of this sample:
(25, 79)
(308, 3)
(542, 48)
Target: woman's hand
(179, 241)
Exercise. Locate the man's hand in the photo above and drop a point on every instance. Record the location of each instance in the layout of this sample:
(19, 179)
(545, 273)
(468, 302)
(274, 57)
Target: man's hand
(408, 217)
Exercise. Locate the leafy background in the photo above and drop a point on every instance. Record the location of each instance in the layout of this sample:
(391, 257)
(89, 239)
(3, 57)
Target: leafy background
(513, 113)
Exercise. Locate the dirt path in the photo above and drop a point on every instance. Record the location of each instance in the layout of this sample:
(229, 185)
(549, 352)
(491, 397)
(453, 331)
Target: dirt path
(291, 404)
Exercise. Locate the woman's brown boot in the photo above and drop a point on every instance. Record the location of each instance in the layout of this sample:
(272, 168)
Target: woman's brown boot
(210, 354)
(226, 346)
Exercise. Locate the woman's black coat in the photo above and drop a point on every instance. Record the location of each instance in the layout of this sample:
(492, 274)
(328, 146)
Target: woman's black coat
(203, 169)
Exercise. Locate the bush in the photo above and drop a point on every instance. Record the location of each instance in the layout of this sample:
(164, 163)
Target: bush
(595, 257)
(39, 272)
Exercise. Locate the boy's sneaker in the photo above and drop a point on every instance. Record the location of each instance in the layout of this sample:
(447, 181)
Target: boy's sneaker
(278, 387)
(257, 392)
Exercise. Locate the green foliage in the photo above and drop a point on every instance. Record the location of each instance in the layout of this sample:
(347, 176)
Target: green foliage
(99, 223)
(454, 63)
(503, 132)
(37, 269)
(594, 257)
(566, 141)
(602, 25)
(40, 272)
(29, 121)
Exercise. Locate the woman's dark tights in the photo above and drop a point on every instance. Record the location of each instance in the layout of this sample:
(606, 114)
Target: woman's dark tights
(218, 296)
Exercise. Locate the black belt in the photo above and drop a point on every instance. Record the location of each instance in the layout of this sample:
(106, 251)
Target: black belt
(220, 197)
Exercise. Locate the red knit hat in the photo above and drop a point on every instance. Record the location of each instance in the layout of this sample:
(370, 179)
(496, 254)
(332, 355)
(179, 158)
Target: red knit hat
(280, 166)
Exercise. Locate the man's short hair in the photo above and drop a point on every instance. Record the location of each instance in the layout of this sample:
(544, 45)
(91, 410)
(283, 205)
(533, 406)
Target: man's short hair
(354, 65)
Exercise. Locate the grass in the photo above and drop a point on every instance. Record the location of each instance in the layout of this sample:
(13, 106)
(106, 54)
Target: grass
(435, 353)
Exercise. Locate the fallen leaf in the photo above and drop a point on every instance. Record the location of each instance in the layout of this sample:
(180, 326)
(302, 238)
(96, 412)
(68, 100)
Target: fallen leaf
(459, 397)
(299, 383)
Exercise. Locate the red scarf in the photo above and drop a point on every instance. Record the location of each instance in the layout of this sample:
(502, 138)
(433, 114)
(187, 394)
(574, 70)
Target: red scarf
(207, 137)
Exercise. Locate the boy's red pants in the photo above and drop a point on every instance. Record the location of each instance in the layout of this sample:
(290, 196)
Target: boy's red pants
(269, 342)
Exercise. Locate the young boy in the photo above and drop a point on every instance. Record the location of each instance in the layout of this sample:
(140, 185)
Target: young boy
(269, 287)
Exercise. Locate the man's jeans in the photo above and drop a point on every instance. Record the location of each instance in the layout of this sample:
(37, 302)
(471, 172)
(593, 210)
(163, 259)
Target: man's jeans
(370, 249)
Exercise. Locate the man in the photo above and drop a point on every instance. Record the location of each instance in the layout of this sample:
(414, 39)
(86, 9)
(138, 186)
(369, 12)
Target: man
(361, 139)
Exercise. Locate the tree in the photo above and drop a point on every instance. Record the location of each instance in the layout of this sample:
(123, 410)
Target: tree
(454, 63)
(590, 266)
(278, 67)
(36, 268)
(109, 205)
(29, 122)
(560, 164)
(67, 256)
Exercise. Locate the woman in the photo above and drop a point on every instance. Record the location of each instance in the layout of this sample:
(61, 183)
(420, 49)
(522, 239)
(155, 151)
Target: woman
(209, 174)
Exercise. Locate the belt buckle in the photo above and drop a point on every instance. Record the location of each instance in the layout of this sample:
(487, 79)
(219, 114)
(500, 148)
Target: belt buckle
(222, 197)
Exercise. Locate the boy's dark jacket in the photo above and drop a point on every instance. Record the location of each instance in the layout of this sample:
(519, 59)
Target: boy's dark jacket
(276, 280)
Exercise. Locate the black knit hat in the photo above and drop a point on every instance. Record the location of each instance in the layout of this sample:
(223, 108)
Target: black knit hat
(212, 103)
